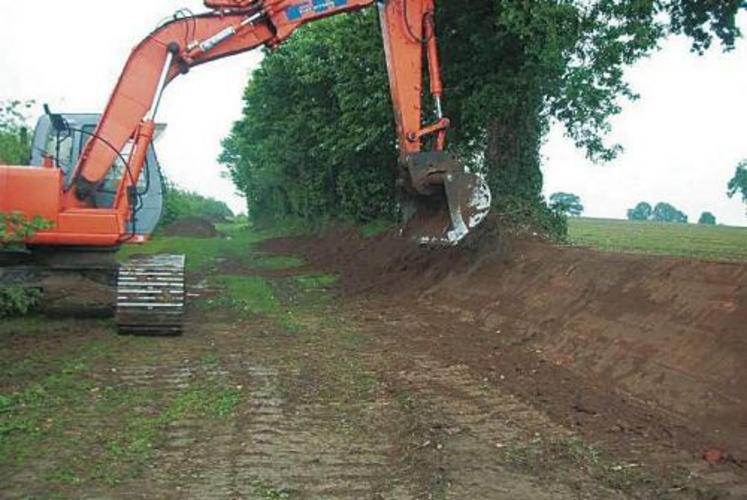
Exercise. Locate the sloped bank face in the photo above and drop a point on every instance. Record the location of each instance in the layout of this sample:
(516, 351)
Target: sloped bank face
(668, 333)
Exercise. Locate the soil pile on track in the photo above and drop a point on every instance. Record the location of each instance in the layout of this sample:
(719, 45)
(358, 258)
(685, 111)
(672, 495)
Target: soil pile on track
(191, 227)
(667, 333)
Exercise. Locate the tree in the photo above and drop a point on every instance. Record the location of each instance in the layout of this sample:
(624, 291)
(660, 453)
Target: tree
(665, 212)
(738, 184)
(642, 211)
(331, 154)
(567, 204)
(15, 143)
(707, 218)
(510, 68)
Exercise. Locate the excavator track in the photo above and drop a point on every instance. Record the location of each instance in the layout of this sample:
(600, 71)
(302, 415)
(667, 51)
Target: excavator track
(151, 295)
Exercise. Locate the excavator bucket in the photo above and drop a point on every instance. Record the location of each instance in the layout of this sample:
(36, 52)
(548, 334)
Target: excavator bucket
(441, 202)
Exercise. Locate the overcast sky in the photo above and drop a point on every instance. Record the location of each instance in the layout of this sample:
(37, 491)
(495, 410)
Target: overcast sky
(682, 139)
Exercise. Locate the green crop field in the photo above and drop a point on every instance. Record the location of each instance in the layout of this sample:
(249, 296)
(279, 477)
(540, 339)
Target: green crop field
(685, 240)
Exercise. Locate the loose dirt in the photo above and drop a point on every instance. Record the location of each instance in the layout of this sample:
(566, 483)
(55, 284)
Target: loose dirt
(191, 227)
(507, 369)
(621, 347)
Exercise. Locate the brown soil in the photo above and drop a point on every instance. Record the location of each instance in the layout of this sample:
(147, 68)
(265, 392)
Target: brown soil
(506, 369)
(622, 347)
(191, 227)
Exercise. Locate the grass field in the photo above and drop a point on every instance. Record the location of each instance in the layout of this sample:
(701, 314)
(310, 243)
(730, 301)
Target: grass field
(684, 240)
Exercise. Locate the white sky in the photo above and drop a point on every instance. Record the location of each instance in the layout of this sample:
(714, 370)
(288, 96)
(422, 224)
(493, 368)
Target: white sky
(682, 139)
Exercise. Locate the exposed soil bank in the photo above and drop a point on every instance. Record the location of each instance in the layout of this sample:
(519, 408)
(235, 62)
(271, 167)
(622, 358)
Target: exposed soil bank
(666, 334)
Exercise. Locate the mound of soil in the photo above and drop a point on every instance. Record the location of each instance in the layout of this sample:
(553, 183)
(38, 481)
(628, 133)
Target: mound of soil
(666, 333)
(191, 227)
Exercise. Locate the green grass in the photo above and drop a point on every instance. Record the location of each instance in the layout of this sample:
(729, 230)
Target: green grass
(683, 240)
(276, 263)
(375, 228)
(236, 243)
(251, 294)
(263, 491)
(138, 417)
(254, 295)
(41, 408)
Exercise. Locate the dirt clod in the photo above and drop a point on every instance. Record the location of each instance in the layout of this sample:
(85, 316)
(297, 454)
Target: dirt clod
(714, 456)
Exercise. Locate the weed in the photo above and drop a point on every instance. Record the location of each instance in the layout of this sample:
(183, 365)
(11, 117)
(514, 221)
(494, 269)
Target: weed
(18, 301)
(312, 282)
(210, 360)
(262, 490)
(406, 401)
(572, 450)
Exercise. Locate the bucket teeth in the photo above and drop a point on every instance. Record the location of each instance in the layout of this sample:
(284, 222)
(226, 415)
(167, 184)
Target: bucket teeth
(151, 295)
(441, 202)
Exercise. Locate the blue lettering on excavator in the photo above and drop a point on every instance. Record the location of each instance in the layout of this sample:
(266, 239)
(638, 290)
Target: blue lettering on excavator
(296, 12)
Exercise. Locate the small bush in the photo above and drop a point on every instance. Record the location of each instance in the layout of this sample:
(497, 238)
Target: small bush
(536, 217)
(16, 228)
(18, 301)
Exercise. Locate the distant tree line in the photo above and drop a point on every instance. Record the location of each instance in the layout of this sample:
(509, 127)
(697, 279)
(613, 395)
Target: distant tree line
(665, 212)
(180, 203)
(662, 212)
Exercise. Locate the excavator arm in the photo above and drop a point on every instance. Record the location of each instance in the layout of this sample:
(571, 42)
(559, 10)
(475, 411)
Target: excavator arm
(428, 181)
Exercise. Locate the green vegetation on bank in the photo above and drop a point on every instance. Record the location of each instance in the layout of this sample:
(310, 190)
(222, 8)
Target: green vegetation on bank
(682, 240)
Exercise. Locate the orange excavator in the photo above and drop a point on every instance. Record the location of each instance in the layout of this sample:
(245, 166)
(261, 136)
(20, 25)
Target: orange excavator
(92, 205)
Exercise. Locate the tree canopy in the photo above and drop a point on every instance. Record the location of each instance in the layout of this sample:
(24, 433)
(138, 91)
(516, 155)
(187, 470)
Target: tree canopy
(738, 183)
(15, 142)
(665, 212)
(317, 138)
(566, 204)
(642, 211)
(662, 212)
(707, 218)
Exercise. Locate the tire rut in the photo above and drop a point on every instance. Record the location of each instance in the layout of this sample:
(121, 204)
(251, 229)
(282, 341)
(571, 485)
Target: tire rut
(266, 445)
(475, 424)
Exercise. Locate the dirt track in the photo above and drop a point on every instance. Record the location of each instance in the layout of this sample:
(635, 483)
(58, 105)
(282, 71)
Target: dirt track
(521, 371)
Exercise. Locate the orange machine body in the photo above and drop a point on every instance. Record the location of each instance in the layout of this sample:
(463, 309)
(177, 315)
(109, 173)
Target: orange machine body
(37, 192)
(232, 27)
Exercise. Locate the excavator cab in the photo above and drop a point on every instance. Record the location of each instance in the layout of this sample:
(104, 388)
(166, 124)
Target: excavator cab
(63, 137)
